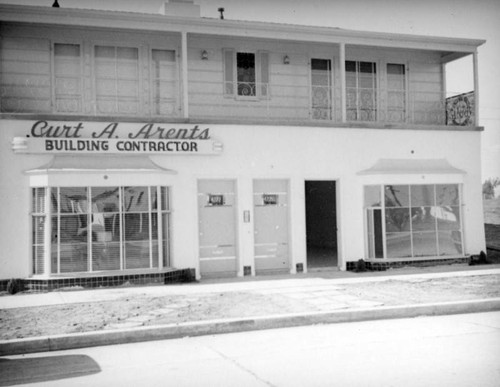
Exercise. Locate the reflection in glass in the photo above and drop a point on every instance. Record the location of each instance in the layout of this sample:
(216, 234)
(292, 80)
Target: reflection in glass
(447, 195)
(99, 228)
(424, 244)
(448, 218)
(450, 242)
(423, 218)
(398, 245)
(397, 219)
(430, 227)
(397, 196)
(422, 195)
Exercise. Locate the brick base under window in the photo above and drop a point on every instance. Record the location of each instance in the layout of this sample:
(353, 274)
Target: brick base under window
(381, 266)
(44, 285)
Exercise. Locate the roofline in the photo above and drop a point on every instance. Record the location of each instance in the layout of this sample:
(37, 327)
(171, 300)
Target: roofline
(233, 28)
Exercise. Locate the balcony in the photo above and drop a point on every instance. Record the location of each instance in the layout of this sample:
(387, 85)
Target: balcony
(257, 102)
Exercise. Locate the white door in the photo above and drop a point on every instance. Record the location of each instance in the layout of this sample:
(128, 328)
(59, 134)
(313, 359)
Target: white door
(217, 228)
(271, 225)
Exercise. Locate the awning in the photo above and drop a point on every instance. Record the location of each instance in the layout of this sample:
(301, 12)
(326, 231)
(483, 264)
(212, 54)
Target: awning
(415, 166)
(68, 164)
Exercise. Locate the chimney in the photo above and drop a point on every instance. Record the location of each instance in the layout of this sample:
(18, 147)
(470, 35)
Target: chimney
(182, 8)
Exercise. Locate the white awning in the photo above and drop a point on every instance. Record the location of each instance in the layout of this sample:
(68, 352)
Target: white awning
(68, 164)
(411, 167)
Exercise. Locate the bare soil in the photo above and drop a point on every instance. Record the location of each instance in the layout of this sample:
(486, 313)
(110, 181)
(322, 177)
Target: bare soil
(140, 310)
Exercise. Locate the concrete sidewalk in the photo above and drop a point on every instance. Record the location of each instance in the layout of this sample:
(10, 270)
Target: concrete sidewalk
(330, 306)
(311, 282)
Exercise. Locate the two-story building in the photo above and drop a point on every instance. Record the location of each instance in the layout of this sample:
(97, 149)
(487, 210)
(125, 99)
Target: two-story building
(133, 145)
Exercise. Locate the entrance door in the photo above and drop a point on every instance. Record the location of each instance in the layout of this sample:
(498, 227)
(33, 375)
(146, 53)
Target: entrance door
(217, 228)
(321, 224)
(321, 85)
(270, 199)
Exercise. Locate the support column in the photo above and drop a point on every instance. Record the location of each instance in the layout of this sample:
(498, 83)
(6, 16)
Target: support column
(476, 88)
(343, 93)
(184, 66)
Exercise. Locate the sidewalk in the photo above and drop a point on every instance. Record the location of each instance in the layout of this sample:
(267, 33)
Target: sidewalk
(222, 306)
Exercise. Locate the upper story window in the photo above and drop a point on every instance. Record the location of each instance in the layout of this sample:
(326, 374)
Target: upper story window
(361, 90)
(164, 82)
(246, 74)
(117, 79)
(39, 76)
(396, 92)
(67, 78)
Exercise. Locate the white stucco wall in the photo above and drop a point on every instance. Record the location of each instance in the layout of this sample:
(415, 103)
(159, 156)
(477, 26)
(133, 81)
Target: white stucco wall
(256, 152)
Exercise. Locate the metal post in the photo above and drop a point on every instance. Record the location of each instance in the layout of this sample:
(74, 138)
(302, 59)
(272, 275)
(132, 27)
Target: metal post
(476, 88)
(184, 65)
(342, 82)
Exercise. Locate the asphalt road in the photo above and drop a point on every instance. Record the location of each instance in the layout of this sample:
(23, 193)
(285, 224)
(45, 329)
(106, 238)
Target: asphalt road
(457, 350)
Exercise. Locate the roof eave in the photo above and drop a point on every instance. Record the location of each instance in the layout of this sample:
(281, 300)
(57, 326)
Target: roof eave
(234, 28)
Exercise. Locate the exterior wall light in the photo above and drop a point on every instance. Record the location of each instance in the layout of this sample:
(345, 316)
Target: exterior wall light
(204, 55)
(286, 60)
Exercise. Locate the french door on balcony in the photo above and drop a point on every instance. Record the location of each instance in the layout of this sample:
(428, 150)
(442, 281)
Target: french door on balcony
(321, 89)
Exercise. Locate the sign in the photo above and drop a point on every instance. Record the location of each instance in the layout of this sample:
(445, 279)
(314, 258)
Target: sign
(460, 110)
(115, 138)
(270, 199)
(216, 200)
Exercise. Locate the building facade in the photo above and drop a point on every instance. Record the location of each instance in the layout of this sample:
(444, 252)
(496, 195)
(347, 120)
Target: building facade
(137, 144)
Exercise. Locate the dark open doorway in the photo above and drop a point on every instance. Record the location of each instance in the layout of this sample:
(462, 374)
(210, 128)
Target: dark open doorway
(321, 224)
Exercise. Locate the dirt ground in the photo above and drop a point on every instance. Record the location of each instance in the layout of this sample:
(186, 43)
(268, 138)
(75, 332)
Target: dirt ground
(133, 311)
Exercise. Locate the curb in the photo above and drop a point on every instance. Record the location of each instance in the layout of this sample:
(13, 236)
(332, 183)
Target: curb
(174, 331)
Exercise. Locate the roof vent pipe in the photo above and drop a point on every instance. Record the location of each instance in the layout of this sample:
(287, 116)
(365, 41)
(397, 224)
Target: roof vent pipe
(56, 4)
(221, 10)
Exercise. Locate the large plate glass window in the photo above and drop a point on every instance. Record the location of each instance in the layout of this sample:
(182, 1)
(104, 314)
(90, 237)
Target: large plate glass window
(89, 229)
(409, 221)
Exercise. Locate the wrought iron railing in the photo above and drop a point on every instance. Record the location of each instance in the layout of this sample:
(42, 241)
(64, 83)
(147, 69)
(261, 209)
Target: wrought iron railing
(259, 101)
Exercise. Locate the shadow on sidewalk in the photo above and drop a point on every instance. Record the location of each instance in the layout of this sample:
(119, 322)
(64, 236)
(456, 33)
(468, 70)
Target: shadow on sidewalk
(44, 369)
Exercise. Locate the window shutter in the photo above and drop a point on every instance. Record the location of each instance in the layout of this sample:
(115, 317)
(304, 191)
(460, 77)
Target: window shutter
(228, 72)
(264, 74)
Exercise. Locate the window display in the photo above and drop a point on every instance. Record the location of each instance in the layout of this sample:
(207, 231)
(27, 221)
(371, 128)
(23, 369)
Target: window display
(100, 228)
(413, 221)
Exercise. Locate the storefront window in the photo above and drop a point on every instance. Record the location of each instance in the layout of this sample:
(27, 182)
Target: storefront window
(413, 221)
(100, 228)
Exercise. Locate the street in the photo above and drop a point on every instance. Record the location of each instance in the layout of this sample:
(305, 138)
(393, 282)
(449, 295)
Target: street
(457, 350)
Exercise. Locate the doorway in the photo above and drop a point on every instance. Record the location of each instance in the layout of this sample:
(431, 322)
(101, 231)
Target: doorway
(321, 224)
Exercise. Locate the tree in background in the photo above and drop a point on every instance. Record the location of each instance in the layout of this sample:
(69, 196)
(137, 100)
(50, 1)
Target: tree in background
(489, 187)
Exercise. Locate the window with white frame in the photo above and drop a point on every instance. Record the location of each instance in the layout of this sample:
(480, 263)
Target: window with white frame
(164, 82)
(361, 90)
(67, 78)
(246, 74)
(396, 92)
(89, 229)
(409, 221)
(116, 72)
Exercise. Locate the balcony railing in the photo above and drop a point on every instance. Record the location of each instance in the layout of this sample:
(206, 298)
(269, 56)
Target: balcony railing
(253, 101)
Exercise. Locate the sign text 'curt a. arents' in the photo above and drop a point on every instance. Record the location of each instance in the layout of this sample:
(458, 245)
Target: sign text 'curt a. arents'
(108, 130)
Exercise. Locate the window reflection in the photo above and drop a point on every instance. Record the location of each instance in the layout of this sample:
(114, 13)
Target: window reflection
(420, 221)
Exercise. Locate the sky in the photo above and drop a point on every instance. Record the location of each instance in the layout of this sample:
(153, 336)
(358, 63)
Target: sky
(476, 19)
